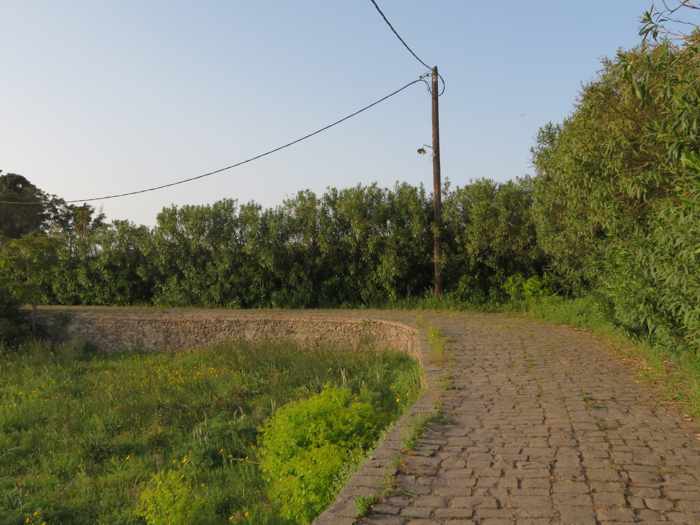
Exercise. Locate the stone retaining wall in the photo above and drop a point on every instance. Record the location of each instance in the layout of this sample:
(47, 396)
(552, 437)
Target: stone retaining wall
(112, 329)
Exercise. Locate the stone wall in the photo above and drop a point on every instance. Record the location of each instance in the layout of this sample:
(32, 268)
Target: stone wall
(114, 330)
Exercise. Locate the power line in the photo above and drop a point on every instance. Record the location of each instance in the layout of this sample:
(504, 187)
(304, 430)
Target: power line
(396, 33)
(246, 161)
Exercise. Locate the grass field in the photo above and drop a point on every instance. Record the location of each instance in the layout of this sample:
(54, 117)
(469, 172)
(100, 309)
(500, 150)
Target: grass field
(166, 437)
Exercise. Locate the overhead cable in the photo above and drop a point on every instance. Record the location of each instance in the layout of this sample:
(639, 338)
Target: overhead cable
(396, 33)
(242, 162)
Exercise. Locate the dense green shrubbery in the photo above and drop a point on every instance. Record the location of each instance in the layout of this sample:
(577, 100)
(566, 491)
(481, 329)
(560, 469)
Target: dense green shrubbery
(490, 235)
(617, 196)
(14, 325)
(170, 499)
(358, 246)
(308, 445)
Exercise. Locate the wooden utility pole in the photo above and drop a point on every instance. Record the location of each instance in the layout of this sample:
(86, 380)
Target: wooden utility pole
(437, 188)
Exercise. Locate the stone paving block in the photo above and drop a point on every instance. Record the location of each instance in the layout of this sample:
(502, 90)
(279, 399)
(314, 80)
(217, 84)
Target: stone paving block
(454, 513)
(646, 516)
(382, 520)
(658, 504)
(688, 506)
(416, 512)
(614, 514)
(570, 487)
(609, 499)
(451, 490)
(430, 501)
(520, 502)
(682, 517)
(383, 508)
(473, 502)
(575, 500)
(576, 516)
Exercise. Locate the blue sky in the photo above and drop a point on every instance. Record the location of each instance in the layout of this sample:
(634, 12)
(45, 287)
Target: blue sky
(101, 97)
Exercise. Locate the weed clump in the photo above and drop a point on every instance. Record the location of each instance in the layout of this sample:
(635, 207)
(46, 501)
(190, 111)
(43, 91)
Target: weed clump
(308, 445)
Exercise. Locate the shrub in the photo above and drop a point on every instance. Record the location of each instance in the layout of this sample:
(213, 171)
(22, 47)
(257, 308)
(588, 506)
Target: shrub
(219, 440)
(169, 499)
(521, 290)
(309, 445)
(13, 323)
(616, 197)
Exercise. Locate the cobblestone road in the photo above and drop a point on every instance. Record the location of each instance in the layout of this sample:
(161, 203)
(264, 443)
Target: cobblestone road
(546, 427)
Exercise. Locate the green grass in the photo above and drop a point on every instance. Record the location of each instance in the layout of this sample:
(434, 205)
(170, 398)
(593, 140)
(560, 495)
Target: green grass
(111, 439)
(437, 343)
(584, 312)
(363, 504)
(421, 425)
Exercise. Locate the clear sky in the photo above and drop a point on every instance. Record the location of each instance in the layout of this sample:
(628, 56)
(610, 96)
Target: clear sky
(104, 96)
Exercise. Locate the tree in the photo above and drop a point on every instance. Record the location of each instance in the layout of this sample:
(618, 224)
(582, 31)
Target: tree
(27, 213)
(27, 267)
(617, 192)
(665, 22)
(13, 323)
(490, 236)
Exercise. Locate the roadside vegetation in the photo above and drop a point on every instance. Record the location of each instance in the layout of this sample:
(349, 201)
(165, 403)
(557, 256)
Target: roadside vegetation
(228, 434)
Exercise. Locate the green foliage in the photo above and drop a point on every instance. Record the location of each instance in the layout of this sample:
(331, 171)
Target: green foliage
(357, 246)
(168, 499)
(363, 504)
(14, 325)
(132, 438)
(581, 312)
(490, 236)
(437, 342)
(308, 445)
(27, 267)
(25, 217)
(524, 290)
(617, 196)
(662, 22)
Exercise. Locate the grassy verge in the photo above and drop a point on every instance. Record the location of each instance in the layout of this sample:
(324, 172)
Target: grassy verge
(676, 373)
(169, 437)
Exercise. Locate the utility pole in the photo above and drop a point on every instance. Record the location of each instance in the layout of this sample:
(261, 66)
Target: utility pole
(437, 188)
